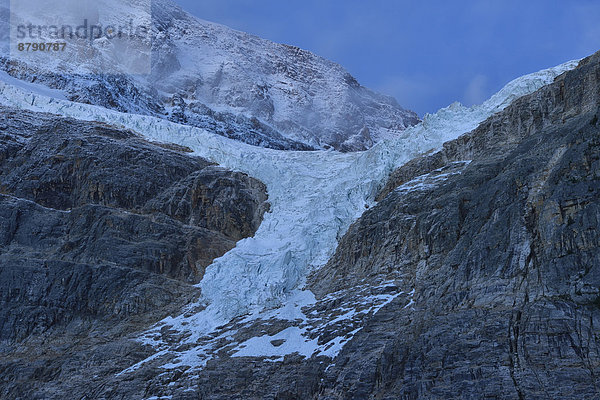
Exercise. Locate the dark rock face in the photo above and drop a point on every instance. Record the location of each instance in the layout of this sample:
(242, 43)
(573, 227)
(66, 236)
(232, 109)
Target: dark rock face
(101, 234)
(113, 197)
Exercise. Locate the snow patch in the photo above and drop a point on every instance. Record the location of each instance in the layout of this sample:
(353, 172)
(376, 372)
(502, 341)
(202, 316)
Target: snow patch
(433, 178)
(33, 88)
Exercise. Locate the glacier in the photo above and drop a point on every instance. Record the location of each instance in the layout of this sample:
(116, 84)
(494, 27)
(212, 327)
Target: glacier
(314, 197)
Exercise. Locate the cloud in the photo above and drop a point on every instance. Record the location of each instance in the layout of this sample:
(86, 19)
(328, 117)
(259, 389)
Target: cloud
(413, 93)
(476, 91)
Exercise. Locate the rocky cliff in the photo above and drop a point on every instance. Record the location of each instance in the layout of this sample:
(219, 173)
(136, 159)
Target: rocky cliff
(497, 235)
(101, 234)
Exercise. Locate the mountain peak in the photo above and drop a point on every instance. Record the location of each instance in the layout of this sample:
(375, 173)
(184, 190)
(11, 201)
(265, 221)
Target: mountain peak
(226, 81)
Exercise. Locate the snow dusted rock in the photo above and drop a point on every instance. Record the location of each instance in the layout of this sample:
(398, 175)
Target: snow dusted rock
(228, 82)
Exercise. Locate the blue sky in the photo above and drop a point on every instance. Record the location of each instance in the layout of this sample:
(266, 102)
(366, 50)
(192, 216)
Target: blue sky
(427, 54)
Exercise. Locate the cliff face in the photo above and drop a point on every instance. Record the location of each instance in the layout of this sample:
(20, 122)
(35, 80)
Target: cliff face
(497, 235)
(101, 233)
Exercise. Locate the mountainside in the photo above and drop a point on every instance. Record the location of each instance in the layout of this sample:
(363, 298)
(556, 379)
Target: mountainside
(455, 284)
(142, 258)
(497, 235)
(101, 233)
(228, 82)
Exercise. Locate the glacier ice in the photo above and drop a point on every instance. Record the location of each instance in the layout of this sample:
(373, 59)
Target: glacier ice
(315, 196)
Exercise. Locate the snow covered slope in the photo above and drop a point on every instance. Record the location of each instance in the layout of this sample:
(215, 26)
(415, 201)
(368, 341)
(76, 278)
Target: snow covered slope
(315, 196)
(228, 82)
